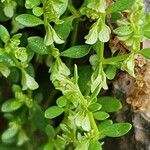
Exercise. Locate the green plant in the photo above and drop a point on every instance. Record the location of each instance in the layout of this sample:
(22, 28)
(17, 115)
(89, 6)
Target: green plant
(49, 32)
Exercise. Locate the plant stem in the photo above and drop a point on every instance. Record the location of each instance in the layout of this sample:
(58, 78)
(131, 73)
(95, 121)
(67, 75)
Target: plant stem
(90, 114)
(73, 10)
(115, 59)
(75, 32)
(73, 39)
(93, 124)
(88, 89)
(101, 51)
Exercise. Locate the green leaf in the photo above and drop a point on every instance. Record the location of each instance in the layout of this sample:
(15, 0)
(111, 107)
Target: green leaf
(37, 118)
(60, 143)
(10, 132)
(104, 34)
(98, 6)
(85, 73)
(4, 34)
(53, 112)
(21, 54)
(95, 92)
(120, 5)
(65, 28)
(49, 146)
(101, 115)
(60, 6)
(94, 145)
(98, 80)
(16, 88)
(76, 51)
(8, 147)
(4, 70)
(117, 129)
(51, 36)
(11, 105)
(97, 49)
(61, 101)
(59, 71)
(14, 75)
(123, 30)
(86, 124)
(29, 4)
(129, 64)
(3, 17)
(36, 44)
(28, 82)
(22, 138)
(37, 11)
(109, 104)
(9, 8)
(50, 131)
(6, 59)
(146, 52)
(30, 70)
(83, 145)
(94, 107)
(102, 126)
(48, 39)
(115, 17)
(56, 38)
(110, 72)
(92, 36)
(29, 20)
(146, 30)
(30, 53)
(79, 118)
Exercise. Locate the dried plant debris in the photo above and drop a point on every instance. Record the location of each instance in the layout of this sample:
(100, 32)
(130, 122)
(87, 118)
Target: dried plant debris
(136, 91)
(139, 97)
